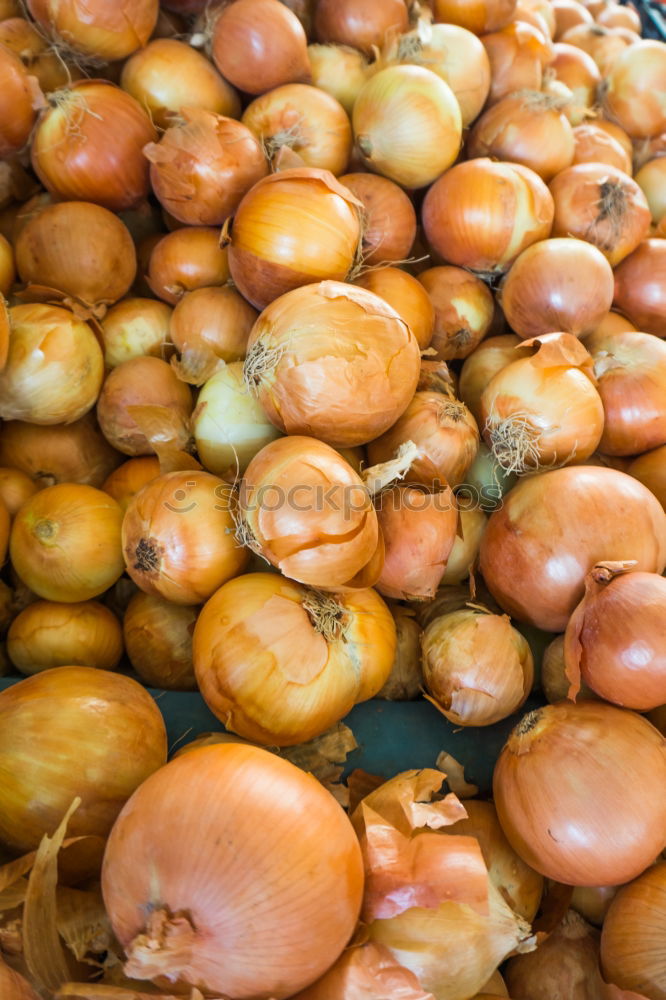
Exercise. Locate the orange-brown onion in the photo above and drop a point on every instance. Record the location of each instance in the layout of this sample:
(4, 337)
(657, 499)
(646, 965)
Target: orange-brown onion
(363, 24)
(651, 178)
(281, 664)
(98, 30)
(614, 640)
(408, 125)
(125, 482)
(7, 266)
(527, 128)
(140, 395)
(518, 54)
(134, 327)
(419, 530)
(605, 810)
(404, 293)
(54, 368)
(464, 309)
(263, 919)
(74, 731)
(61, 453)
(569, 13)
(605, 45)
(631, 374)
(269, 256)
(15, 488)
(14, 986)
(443, 430)
(650, 470)
(339, 70)
(332, 361)
(78, 248)
(633, 87)
(50, 634)
(362, 972)
(592, 902)
(479, 16)
(187, 259)
(489, 358)
(168, 75)
(158, 640)
(178, 537)
(17, 114)
(543, 410)
(388, 229)
(558, 285)
(632, 938)
(578, 70)
(65, 542)
(481, 214)
(258, 45)
(554, 527)
(309, 124)
(601, 205)
(40, 59)
(203, 165)
(88, 146)
(640, 287)
(595, 145)
(210, 324)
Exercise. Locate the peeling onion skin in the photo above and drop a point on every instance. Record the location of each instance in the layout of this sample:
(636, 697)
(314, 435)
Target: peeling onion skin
(632, 938)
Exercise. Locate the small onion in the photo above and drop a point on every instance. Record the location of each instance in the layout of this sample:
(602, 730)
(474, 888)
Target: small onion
(184, 260)
(339, 70)
(578, 70)
(632, 939)
(463, 555)
(595, 145)
(518, 55)
(365, 24)
(125, 482)
(158, 640)
(61, 453)
(557, 285)
(489, 358)
(569, 13)
(651, 178)
(106, 32)
(168, 75)
(388, 229)
(15, 488)
(486, 482)
(481, 214)
(633, 88)
(135, 327)
(404, 293)
(640, 287)
(604, 810)
(208, 325)
(405, 682)
(280, 664)
(88, 146)
(464, 310)
(479, 16)
(48, 634)
(204, 164)
(650, 470)
(408, 125)
(17, 114)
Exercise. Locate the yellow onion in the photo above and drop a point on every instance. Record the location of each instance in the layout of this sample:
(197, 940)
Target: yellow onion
(464, 310)
(125, 482)
(228, 423)
(579, 72)
(595, 145)
(332, 361)
(554, 681)
(489, 358)
(592, 902)
(404, 293)
(604, 811)
(640, 287)
(365, 24)
(633, 87)
(203, 165)
(612, 322)
(41, 60)
(632, 938)
(481, 214)
(17, 113)
(74, 731)
(61, 453)
(96, 30)
(465, 549)
(518, 54)
(605, 45)
(65, 542)
(388, 227)
(210, 325)
(538, 13)
(569, 13)
(15, 488)
(14, 986)
(54, 369)
(612, 15)
(651, 178)
(185, 260)
(339, 70)
(158, 640)
(650, 469)
(476, 667)
(48, 634)
(215, 904)
(168, 75)
(479, 16)
(364, 970)
(135, 327)
(405, 681)
(408, 125)
(7, 266)
(617, 133)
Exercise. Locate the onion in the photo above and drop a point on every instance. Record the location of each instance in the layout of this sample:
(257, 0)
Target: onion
(389, 220)
(54, 369)
(204, 164)
(14, 985)
(405, 682)
(61, 453)
(578, 70)
(268, 256)
(244, 656)
(141, 402)
(15, 488)
(569, 13)
(557, 285)
(650, 470)
(5, 524)
(518, 55)
(464, 310)
(209, 325)
(632, 939)
(554, 527)
(593, 902)
(615, 16)
(125, 482)
(158, 639)
(74, 731)
(540, 13)
(408, 125)
(612, 323)
(489, 358)
(339, 70)
(554, 680)
(633, 87)
(481, 214)
(96, 30)
(605, 45)
(529, 128)
(479, 16)
(184, 260)
(617, 133)
(168, 75)
(404, 293)
(364, 24)
(41, 60)
(47, 634)
(651, 178)
(80, 249)
(332, 361)
(463, 555)
(640, 287)
(88, 146)
(214, 904)
(135, 327)
(595, 145)
(7, 266)
(17, 114)
(306, 122)
(605, 813)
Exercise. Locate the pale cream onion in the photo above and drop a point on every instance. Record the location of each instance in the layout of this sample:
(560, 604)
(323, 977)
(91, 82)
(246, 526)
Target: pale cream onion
(388, 227)
(340, 70)
(135, 327)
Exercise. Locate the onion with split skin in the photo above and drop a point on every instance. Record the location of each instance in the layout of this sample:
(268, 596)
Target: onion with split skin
(388, 229)
(158, 639)
(96, 30)
(650, 470)
(185, 260)
(633, 89)
(595, 145)
(464, 310)
(50, 634)
(640, 287)
(479, 16)
(632, 938)
(210, 325)
(363, 24)
(518, 55)
(17, 113)
(61, 453)
(403, 292)
(340, 70)
(489, 358)
(15, 488)
(135, 327)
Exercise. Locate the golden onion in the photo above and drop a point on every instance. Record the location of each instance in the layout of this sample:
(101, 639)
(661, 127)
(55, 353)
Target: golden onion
(158, 640)
(50, 634)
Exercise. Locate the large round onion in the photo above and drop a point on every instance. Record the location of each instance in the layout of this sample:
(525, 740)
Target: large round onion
(17, 114)
(403, 292)
(482, 214)
(594, 144)
(214, 904)
(333, 361)
(96, 29)
(185, 260)
(74, 731)
(479, 16)
(389, 220)
(364, 24)
(518, 55)
(640, 287)
(134, 327)
(632, 938)
(633, 89)
(158, 640)
(650, 469)
(554, 527)
(49, 634)
(599, 820)
(464, 310)
(61, 453)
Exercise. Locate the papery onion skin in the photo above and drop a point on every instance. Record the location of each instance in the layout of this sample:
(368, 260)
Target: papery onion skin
(389, 220)
(594, 145)
(158, 640)
(97, 30)
(640, 283)
(212, 321)
(650, 470)
(125, 482)
(464, 309)
(74, 731)
(61, 453)
(16, 104)
(632, 938)
(554, 527)
(633, 87)
(134, 327)
(405, 682)
(481, 16)
(404, 293)
(339, 70)
(481, 214)
(15, 488)
(489, 358)
(360, 23)
(48, 634)
(185, 260)
(604, 811)
(304, 906)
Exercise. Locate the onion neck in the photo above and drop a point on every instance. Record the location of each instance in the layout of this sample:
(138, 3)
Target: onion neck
(164, 949)
(328, 617)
